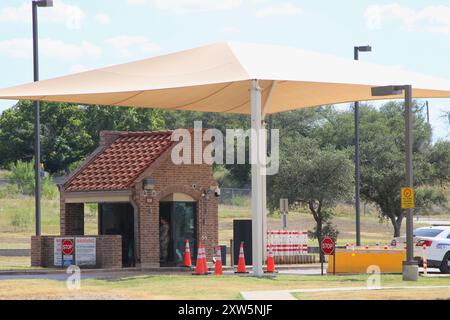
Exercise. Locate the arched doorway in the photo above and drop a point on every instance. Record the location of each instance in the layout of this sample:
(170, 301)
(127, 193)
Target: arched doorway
(177, 223)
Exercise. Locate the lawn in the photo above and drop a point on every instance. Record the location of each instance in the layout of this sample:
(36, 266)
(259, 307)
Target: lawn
(17, 223)
(211, 287)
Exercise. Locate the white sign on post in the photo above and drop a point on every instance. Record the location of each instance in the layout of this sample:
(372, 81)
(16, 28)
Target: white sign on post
(85, 251)
(284, 205)
(57, 252)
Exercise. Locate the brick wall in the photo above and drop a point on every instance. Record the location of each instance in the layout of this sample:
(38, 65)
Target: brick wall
(72, 217)
(108, 251)
(170, 178)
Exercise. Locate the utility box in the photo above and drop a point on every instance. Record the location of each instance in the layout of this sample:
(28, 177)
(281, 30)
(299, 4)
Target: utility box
(242, 231)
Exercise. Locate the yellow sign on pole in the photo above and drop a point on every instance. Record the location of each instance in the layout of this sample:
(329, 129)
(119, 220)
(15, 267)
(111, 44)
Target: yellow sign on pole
(407, 198)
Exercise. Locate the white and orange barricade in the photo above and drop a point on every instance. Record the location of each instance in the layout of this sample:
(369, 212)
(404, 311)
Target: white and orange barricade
(288, 246)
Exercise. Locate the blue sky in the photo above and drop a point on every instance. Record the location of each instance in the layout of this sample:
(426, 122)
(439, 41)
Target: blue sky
(84, 34)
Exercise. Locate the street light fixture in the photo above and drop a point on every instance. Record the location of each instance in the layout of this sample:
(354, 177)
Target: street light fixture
(356, 51)
(37, 126)
(410, 266)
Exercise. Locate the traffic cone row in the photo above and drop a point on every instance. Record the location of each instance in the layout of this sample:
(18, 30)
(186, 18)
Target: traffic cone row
(202, 269)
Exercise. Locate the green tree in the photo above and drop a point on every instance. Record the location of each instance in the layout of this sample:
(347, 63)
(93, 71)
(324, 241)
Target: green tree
(98, 118)
(63, 136)
(439, 158)
(312, 176)
(383, 153)
(68, 132)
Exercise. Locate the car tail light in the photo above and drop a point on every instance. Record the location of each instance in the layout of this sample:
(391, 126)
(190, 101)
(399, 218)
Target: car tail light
(422, 243)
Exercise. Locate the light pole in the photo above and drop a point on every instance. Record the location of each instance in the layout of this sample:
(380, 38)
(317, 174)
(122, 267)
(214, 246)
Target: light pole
(37, 126)
(410, 266)
(356, 51)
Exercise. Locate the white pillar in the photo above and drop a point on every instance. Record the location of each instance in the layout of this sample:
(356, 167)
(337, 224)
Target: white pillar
(264, 195)
(257, 183)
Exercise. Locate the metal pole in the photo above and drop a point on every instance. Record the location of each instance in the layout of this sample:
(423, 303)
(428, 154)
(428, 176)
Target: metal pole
(37, 125)
(410, 271)
(428, 112)
(257, 184)
(269, 142)
(357, 166)
(409, 170)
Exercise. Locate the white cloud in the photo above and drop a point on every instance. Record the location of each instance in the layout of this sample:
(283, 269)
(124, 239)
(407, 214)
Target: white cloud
(137, 2)
(230, 30)
(187, 6)
(285, 9)
(196, 5)
(70, 15)
(102, 18)
(22, 48)
(129, 46)
(434, 19)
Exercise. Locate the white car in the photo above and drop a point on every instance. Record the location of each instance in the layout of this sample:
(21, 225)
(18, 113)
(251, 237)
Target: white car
(437, 242)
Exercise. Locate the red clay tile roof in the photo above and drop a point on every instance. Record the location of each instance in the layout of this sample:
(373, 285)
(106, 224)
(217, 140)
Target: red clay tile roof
(118, 165)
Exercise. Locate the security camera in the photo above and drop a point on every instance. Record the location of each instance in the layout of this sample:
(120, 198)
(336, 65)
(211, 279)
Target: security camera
(217, 192)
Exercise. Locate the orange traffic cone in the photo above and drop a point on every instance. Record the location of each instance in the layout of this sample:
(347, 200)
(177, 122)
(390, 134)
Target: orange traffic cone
(270, 261)
(241, 262)
(200, 265)
(218, 267)
(187, 255)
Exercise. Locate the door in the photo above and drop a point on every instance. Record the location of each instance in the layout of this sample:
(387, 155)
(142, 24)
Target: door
(118, 219)
(177, 224)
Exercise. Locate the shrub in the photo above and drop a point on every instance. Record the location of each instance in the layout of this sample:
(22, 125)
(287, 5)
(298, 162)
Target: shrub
(22, 177)
(240, 201)
(21, 220)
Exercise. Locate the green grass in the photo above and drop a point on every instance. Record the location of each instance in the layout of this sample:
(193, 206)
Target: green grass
(190, 287)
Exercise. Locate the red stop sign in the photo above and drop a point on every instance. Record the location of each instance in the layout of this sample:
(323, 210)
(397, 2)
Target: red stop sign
(67, 246)
(327, 245)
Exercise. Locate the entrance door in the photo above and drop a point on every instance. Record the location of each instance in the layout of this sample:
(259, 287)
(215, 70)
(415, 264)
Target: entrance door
(177, 224)
(118, 219)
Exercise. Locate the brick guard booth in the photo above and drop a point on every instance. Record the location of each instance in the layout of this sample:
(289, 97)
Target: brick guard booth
(147, 206)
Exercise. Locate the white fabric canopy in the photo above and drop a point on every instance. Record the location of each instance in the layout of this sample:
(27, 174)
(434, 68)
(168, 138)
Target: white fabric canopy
(217, 78)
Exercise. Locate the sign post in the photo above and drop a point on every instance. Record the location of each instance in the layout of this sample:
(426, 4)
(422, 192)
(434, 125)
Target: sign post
(407, 198)
(284, 209)
(67, 249)
(328, 248)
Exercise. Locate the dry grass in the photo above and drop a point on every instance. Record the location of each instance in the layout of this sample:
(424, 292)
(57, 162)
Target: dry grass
(390, 294)
(15, 263)
(166, 287)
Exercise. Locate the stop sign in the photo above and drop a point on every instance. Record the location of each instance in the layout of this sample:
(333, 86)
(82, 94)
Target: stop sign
(327, 245)
(67, 246)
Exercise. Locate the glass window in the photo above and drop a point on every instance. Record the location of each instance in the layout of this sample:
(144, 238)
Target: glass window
(431, 233)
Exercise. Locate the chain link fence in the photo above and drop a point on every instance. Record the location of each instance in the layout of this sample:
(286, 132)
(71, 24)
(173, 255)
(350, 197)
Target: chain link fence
(235, 196)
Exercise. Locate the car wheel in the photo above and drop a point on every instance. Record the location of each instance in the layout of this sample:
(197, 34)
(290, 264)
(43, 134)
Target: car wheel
(445, 267)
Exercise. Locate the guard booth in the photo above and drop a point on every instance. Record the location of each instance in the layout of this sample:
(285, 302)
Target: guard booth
(148, 206)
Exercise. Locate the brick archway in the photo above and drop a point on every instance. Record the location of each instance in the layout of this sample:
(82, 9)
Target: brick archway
(195, 194)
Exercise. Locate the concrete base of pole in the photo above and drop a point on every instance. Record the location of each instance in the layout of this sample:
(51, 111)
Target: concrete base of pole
(410, 271)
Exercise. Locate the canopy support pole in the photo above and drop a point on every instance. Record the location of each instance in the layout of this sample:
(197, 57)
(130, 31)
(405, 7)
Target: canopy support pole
(256, 145)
